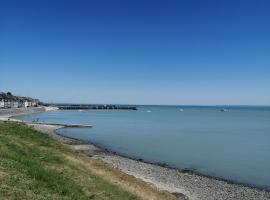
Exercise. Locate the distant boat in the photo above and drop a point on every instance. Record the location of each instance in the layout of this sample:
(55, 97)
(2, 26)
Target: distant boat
(148, 111)
(181, 110)
(80, 110)
(224, 110)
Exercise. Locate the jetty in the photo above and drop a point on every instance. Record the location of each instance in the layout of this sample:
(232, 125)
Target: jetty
(95, 107)
(64, 125)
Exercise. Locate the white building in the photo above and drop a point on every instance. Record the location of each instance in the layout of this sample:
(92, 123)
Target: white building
(26, 103)
(2, 103)
(7, 100)
(15, 104)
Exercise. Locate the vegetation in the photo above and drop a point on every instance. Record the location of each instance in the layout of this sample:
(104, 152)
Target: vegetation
(34, 165)
(9, 94)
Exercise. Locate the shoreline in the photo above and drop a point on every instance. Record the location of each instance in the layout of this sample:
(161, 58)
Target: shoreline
(9, 113)
(182, 183)
(228, 189)
(165, 165)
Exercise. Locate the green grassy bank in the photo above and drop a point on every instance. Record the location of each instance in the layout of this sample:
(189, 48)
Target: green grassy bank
(35, 166)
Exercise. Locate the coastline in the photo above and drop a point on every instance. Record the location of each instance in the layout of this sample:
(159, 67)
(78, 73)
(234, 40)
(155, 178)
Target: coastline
(165, 165)
(181, 184)
(10, 113)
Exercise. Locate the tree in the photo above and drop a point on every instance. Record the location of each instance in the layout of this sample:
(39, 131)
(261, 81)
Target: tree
(9, 94)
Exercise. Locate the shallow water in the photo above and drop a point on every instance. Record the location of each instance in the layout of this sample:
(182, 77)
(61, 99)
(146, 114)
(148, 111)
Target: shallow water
(234, 145)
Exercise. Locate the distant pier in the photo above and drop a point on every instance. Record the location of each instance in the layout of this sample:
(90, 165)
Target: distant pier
(64, 125)
(95, 107)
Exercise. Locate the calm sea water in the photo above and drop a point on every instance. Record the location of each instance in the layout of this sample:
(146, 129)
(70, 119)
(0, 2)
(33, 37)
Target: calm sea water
(234, 145)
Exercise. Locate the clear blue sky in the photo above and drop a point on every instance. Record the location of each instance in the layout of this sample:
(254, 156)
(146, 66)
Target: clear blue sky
(137, 51)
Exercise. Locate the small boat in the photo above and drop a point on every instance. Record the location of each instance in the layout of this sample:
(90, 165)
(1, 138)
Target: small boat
(181, 110)
(80, 110)
(148, 111)
(224, 110)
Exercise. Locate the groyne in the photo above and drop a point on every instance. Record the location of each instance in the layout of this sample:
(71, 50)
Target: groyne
(64, 125)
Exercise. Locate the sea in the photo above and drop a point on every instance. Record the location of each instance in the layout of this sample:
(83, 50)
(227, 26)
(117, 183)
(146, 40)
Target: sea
(231, 143)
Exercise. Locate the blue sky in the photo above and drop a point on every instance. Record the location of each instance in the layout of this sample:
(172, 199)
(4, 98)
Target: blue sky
(137, 52)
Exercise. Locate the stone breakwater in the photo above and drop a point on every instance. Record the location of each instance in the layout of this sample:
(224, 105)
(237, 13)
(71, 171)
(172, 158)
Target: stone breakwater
(95, 107)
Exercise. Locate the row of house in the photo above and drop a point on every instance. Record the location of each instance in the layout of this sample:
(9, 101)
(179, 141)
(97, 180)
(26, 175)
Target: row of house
(7, 100)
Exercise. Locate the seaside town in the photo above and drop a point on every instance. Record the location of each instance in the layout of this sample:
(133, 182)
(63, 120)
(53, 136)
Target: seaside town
(7, 100)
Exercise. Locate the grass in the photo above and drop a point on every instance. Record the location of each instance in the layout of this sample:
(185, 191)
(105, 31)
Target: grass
(34, 165)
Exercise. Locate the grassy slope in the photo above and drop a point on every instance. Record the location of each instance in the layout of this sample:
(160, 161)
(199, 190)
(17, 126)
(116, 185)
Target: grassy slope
(36, 166)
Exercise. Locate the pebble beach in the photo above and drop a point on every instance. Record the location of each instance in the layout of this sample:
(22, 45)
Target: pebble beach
(174, 181)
